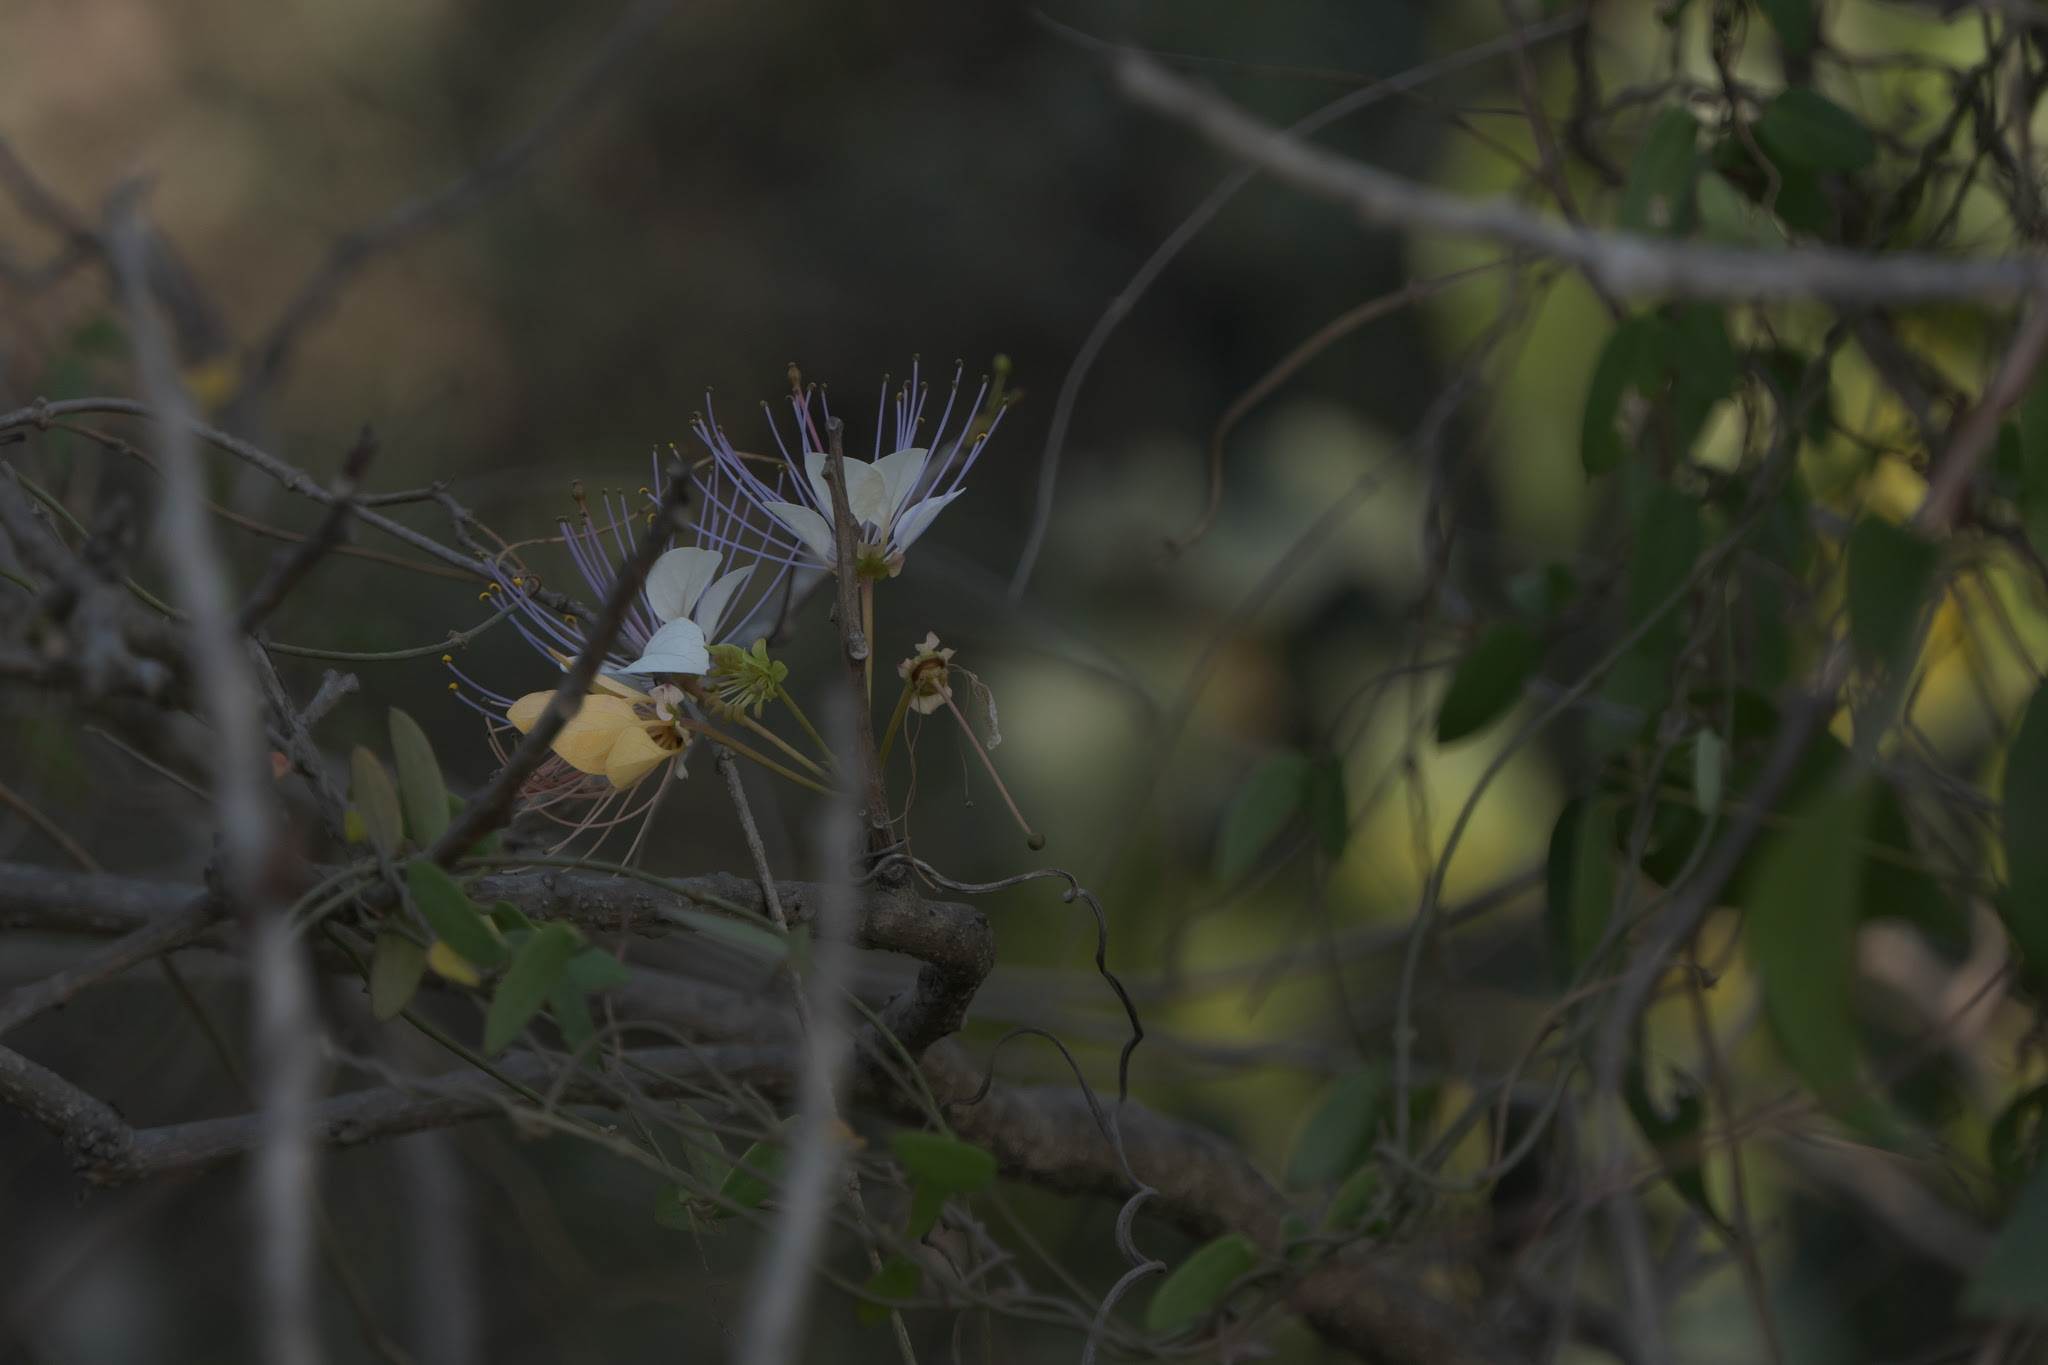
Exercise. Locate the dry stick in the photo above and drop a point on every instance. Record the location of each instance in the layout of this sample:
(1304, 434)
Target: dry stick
(1977, 432)
(49, 829)
(492, 806)
(781, 1290)
(1627, 265)
(1326, 336)
(286, 573)
(417, 216)
(24, 1003)
(1163, 256)
(287, 1058)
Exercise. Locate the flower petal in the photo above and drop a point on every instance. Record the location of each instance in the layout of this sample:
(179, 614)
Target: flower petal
(634, 755)
(586, 741)
(677, 647)
(918, 519)
(717, 597)
(867, 493)
(809, 527)
(814, 470)
(524, 712)
(678, 578)
(900, 472)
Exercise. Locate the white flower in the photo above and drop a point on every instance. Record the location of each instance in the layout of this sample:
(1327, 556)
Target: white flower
(687, 597)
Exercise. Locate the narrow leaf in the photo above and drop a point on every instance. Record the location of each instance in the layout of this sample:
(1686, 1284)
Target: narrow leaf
(1658, 196)
(571, 1013)
(1808, 129)
(453, 965)
(452, 915)
(1889, 569)
(1674, 1136)
(898, 1279)
(672, 1208)
(1339, 1133)
(1666, 546)
(1325, 806)
(1489, 680)
(1261, 809)
(419, 780)
(1579, 878)
(376, 801)
(1631, 359)
(746, 1189)
(1200, 1282)
(1353, 1198)
(942, 1163)
(2024, 905)
(526, 983)
(1709, 768)
(1801, 937)
(594, 969)
(395, 974)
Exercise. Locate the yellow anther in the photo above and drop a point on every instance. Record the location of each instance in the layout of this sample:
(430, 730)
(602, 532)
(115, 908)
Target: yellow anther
(448, 659)
(484, 596)
(518, 582)
(453, 688)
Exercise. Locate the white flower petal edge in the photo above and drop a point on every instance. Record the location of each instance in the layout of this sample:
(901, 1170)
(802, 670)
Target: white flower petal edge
(712, 604)
(677, 647)
(919, 519)
(900, 473)
(809, 527)
(678, 578)
(867, 494)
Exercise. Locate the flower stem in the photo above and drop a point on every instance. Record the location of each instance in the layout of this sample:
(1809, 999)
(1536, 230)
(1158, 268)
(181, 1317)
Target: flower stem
(895, 724)
(698, 727)
(1031, 836)
(867, 630)
(803, 720)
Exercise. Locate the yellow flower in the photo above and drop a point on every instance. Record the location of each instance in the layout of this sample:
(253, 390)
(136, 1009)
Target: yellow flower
(926, 671)
(619, 733)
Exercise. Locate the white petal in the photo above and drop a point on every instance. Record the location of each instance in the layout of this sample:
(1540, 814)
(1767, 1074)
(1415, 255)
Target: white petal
(712, 604)
(677, 647)
(900, 472)
(812, 529)
(867, 493)
(919, 519)
(814, 470)
(678, 578)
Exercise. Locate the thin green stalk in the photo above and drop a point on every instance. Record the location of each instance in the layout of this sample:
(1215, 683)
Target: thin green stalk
(895, 724)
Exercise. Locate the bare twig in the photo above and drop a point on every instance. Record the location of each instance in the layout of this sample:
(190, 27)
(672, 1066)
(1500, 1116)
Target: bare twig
(24, 1003)
(779, 1297)
(282, 1183)
(1977, 432)
(1624, 264)
(285, 574)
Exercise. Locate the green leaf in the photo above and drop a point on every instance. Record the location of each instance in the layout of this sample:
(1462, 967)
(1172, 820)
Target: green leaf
(1794, 21)
(1542, 593)
(1353, 1198)
(926, 1204)
(1801, 936)
(1489, 680)
(2011, 1281)
(490, 846)
(1339, 1134)
(1200, 1282)
(419, 780)
(747, 1189)
(1579, 877)
(1262, 807)
(594, 969)
(898, 1279)
(672, 1208)
(376, 802)
(1889, 569)
(948, 1165)
(571, 1013)
(1674, 1136)
(1667, 545)
(395, 973)
(524, 988)
(509, 917)
(452, 915)
(2024, 906)
(1808, 129)
(1324, 805)
(1633, 358)
(1709, 770)
(1658, 196)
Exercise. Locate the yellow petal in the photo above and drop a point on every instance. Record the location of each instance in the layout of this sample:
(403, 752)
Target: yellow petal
(613, 687)
(588, 738)
(452, 964)
(634, 755)
(527, 709)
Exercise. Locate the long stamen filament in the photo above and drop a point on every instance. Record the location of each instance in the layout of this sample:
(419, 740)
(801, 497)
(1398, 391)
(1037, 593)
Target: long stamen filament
(1032, 837)
(712, 732)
